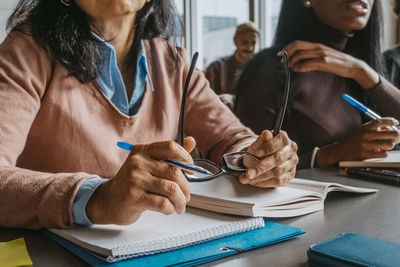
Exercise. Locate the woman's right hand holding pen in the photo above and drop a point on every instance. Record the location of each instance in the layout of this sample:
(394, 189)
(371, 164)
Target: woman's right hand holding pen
(372, 140)
(144, 182)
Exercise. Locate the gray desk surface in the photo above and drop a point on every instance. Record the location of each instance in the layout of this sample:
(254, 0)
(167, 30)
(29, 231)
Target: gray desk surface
(376, 215)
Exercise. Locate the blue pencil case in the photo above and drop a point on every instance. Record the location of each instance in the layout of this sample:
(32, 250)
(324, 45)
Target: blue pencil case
(350, 249)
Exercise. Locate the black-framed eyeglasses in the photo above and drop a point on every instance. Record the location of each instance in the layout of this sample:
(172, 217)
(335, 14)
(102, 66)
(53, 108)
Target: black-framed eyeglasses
(232, 162)
(285, 98)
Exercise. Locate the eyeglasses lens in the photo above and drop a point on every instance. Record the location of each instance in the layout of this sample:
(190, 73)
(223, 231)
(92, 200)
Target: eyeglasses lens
(209, 166)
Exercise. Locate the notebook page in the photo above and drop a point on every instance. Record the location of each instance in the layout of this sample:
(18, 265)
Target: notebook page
(155, 232)
(315, 186)
(230, 190)
(391, 161)
(324, 188)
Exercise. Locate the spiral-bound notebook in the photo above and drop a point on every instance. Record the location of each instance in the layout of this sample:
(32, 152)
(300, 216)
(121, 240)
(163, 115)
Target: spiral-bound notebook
(154, 233)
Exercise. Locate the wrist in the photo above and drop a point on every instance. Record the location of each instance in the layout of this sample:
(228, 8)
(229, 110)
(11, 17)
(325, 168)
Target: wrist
(326, 156)
(367, 77)
(95, 206)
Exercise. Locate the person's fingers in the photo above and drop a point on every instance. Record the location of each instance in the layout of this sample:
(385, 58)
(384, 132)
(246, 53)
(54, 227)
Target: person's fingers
(380, 123)
(380, 145)
(371, 135)
(318, 64)
(162, 170)
(271, 162)
(156, 203)
(373, 154)
(189, 143)
(170, 190)
(257, 147)
(303, 55)
(275, 173)
(273, 145)
(276, 182)
(164, 150)
(295, 46)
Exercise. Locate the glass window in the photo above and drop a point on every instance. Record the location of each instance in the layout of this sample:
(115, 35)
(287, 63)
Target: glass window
(180, 6)
(273, 7)
(6, 7)
(215, 24)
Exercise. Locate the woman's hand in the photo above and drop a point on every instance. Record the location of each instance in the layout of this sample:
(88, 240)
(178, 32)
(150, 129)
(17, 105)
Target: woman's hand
(372, 140)
(278, 161)
(144, 182)
(306, 56)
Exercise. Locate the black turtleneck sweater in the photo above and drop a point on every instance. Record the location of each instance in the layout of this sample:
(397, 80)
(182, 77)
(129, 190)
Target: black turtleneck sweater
(317, 115)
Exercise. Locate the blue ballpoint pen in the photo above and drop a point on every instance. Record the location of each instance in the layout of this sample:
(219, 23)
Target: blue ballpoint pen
(365, 110)
(185, 166)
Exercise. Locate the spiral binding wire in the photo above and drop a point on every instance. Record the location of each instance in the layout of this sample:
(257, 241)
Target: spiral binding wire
(183, 240)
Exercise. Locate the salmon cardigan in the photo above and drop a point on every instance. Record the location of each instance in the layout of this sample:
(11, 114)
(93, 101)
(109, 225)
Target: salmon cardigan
(56, 132)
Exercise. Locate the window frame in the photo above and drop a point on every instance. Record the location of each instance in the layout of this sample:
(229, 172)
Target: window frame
(257, 14)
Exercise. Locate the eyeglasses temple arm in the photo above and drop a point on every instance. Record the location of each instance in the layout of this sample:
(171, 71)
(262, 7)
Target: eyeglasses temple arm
(282, 108)
(184, 97)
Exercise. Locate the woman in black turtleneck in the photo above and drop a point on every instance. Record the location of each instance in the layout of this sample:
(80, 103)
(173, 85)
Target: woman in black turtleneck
(333, 48)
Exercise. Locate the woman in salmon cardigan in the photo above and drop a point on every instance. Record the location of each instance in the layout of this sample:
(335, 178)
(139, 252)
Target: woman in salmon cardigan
(76, 76)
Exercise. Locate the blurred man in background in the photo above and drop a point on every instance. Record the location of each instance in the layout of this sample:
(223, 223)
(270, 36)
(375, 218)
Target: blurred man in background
(223, 73)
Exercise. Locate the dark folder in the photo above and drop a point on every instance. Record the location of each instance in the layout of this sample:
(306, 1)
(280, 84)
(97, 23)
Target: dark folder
(350, 249)
(389, 176)
(195, 254)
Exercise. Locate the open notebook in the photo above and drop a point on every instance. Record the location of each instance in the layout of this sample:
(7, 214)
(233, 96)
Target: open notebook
(392, 161)
(226, 195)
(155, 232)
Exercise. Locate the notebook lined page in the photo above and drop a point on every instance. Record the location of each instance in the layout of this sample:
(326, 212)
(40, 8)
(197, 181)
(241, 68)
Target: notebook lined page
(155, 232)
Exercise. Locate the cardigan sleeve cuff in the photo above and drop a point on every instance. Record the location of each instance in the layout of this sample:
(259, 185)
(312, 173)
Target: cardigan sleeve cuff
(81, 199)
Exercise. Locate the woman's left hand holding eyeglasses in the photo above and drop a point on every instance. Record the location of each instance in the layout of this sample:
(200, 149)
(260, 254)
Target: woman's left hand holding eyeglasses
(277, 164)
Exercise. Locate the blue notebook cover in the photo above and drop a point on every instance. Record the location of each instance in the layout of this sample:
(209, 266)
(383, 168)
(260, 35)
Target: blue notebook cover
(350, 249)
(196, 254)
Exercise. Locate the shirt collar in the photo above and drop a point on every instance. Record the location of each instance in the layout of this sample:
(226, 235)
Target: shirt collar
(109, 58)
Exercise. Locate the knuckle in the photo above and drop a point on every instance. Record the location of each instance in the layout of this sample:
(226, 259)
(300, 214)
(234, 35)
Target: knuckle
(142, 198)
(280, 156)
(363, 146)
(175, 172)
(135, 161)
(296, 159)
(295, 146)
(281, 182)
(163, 204)
(133, 179)
(279, 171)
(171, 188)
(172, 146)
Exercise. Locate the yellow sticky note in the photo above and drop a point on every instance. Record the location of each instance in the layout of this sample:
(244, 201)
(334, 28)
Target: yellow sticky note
(14, 254)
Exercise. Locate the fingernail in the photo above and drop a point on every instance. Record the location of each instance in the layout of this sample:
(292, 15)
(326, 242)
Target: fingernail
(396, 121)
(260, 153)
(245, 181)
(251, 173)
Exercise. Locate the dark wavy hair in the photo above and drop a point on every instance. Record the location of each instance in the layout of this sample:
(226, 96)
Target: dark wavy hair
(65, 32)
(295, 20)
